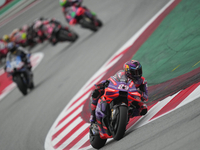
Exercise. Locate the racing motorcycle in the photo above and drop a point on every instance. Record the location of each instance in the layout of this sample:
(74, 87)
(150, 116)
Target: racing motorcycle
(113, 113)
(84, 17)
(55, 32)
(20, 73)
(23, 39)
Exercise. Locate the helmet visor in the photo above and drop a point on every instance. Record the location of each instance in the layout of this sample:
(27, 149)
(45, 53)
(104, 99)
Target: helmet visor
(136, 72)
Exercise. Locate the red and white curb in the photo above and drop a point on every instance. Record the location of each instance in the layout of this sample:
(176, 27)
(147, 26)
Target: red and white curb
(70, 131)
(8, 85)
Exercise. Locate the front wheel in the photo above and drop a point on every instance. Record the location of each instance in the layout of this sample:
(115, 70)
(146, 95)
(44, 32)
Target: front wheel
(32, 85)
(86, 22)
(100, 23)
(20, 84)
(65, 35)
(121, 123)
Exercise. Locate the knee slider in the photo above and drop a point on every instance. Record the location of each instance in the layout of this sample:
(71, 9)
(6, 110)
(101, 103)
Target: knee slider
(143, 112)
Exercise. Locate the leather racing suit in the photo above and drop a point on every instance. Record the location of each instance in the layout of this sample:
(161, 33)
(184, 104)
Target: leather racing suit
(140, 84)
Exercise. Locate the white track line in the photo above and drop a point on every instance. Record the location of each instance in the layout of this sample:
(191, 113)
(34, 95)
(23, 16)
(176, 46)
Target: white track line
(67, 130)
(61, 125)
(81, 142)
(194, 95)
(70, 139)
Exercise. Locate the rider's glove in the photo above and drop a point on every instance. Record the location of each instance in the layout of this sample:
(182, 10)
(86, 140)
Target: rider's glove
(96, 93)
(106, 83)
(141, 93)
(143, 99)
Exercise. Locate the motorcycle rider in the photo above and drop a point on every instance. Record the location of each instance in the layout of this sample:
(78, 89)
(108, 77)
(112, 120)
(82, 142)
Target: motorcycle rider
(6, 38)
(68, 10)
(132, 72)
(18, 35)
(40, 27)
(16, 50)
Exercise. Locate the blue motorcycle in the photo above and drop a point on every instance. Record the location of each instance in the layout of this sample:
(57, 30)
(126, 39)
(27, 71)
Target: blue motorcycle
(21, 74)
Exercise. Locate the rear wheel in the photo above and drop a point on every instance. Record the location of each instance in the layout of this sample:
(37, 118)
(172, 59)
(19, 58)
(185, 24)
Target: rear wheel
(20, 84)
(121, 123)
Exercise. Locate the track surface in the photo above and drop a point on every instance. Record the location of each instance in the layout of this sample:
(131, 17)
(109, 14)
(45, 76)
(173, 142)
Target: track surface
(25, 121)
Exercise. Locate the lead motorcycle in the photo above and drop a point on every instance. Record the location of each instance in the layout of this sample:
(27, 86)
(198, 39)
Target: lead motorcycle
(112, 113)
(84, 17)
(20, 73)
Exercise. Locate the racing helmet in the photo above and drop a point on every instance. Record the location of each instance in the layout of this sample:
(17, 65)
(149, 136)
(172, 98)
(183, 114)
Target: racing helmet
(37, 25)
(133, 69)
(23, 36)
(6, 38)
(63, 2)
(11, 47)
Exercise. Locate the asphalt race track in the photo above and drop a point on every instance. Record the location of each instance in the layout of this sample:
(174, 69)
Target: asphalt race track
(66, 67)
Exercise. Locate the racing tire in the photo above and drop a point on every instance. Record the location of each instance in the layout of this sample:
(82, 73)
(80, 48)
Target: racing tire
(85, 22)
(20, 84)
(65, 35)
(96, 141)
(32, 86)
(100, 24)
(122, 122)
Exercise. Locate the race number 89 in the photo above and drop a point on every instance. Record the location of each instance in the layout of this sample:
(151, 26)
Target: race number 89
(123, 86)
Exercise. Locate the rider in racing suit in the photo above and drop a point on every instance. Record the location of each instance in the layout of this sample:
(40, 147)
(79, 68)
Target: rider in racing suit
(18, 35)
(15, 50)
(40, 27)
(132, 72)
(68, 10)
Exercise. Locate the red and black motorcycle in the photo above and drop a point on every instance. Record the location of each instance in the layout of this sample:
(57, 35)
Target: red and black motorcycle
(81, 15)
(112, 112)
(55, 32)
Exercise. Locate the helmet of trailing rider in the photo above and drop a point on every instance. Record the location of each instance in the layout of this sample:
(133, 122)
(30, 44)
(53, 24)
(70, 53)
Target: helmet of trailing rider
(37, 25)
(133, 69)
(11, 47)
(6, 38)
(23, 36)
(63, 2)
